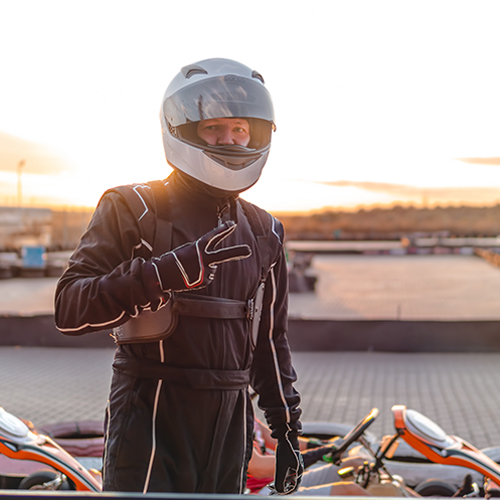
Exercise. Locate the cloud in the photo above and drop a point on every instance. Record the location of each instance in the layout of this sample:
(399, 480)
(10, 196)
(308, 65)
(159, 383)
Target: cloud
(484, 194)
(495, 160)
(38, 159)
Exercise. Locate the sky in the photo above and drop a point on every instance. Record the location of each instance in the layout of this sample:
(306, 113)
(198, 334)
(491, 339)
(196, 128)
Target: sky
(376, 102)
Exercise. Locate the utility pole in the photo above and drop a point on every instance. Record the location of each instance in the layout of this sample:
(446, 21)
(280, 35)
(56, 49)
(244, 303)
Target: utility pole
(20, 165)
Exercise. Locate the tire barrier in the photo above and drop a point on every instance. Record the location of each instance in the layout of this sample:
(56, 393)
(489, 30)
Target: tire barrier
(80, 439)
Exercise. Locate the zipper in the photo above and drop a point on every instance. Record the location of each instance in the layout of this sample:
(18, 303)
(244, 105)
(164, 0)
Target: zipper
(220, 212)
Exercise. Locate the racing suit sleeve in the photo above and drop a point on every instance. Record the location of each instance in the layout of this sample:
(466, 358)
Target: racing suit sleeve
(272, 372)
(102, 286)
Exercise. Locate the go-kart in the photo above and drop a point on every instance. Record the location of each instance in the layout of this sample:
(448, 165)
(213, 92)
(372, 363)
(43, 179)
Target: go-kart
(47, 465)
(388, 469)
(431, 462)
(425, 436)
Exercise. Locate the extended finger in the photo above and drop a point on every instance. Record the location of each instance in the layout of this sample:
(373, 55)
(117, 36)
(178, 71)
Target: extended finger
(214, 237)
(237, 252)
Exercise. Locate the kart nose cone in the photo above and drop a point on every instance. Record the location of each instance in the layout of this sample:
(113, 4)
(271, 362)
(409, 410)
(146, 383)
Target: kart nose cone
(11, 425)
(428, 430)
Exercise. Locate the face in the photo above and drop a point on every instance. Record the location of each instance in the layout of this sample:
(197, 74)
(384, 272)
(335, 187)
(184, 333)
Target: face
(224, 131)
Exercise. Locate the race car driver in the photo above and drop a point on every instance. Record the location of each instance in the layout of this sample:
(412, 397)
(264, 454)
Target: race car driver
(193, 281)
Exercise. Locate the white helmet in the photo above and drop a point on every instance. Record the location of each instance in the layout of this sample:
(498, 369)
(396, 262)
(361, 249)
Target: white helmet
(217, 88)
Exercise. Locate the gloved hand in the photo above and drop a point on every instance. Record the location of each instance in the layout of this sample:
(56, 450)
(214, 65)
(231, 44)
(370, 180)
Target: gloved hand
(193, 264)
(289, 466)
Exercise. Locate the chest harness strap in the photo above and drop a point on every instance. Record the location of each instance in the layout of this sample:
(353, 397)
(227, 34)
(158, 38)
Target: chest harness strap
(153, 326)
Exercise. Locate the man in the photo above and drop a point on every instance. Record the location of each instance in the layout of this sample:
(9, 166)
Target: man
(193, 281)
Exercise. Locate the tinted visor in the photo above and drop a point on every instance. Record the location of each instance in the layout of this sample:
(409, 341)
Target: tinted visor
(219, 97)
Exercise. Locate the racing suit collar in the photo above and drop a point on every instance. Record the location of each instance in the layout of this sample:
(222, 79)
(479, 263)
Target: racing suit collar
(199, 192)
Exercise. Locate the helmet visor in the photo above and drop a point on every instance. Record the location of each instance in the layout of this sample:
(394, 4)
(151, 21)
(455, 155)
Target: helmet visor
(260, 133)
(219, 97)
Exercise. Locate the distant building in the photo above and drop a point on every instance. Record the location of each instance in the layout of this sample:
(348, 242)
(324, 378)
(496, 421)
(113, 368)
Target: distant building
(21, 226)
(59, 229)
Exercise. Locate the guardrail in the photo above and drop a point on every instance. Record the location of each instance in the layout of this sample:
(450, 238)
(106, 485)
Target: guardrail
(395, 247)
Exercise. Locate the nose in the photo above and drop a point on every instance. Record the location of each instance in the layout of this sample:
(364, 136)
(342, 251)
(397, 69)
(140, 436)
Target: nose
(225, 136)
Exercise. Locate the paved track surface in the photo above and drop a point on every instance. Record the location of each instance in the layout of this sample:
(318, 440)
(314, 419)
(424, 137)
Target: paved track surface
(461, 392)
(406, 287)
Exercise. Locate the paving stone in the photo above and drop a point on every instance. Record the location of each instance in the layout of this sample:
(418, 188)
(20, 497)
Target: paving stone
(446, 387)
(47, 385)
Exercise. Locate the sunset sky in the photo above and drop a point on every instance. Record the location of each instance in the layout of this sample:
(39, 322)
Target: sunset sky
(376, 102)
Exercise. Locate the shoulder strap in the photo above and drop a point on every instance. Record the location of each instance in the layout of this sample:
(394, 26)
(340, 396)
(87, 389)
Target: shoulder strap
(254, 218)
(163, 229)
(160, 195)
(261, 224)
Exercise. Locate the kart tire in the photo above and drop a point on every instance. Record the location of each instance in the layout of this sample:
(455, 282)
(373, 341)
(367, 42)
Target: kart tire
(81, 439)
(36, 480)
(435, 488)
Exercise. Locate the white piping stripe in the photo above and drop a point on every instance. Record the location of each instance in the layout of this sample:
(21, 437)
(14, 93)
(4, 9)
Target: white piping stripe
(274, 230)
(146, 244)
(185, 277)
(153, 444)
(136, 247)
(106, 323)
(105, 454)
(155, 412)
(146, 209)
(162, 352)
(158, 275)
(139, 245)
(273, 347)
(244, 441)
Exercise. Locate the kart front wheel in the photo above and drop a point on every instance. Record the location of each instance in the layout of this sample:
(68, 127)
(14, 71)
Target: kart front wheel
(45, 480)
(435, 488)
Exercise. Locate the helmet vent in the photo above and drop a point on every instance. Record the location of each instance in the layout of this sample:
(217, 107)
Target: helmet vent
(193, 69)
(172, 130)
(256, 74)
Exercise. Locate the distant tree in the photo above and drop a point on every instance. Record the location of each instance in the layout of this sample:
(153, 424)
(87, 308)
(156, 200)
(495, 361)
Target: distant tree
(394, 222)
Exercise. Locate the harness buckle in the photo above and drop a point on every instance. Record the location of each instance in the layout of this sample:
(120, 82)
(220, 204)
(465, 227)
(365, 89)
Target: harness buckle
(250, 309)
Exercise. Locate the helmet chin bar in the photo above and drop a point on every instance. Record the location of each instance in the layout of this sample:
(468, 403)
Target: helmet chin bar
(234, 157)
(212, 171)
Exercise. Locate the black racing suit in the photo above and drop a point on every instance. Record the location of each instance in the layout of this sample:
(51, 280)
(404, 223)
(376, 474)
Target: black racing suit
(178, 413)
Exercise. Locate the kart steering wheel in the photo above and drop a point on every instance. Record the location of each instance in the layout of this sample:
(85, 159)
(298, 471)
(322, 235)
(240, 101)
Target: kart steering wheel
(355, 433)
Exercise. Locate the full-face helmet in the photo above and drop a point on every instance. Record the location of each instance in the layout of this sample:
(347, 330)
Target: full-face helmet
(212, 89)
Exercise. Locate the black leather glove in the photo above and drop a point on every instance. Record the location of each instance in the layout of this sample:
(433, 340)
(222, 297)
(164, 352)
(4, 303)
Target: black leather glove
(289, 466)
(193, 264)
